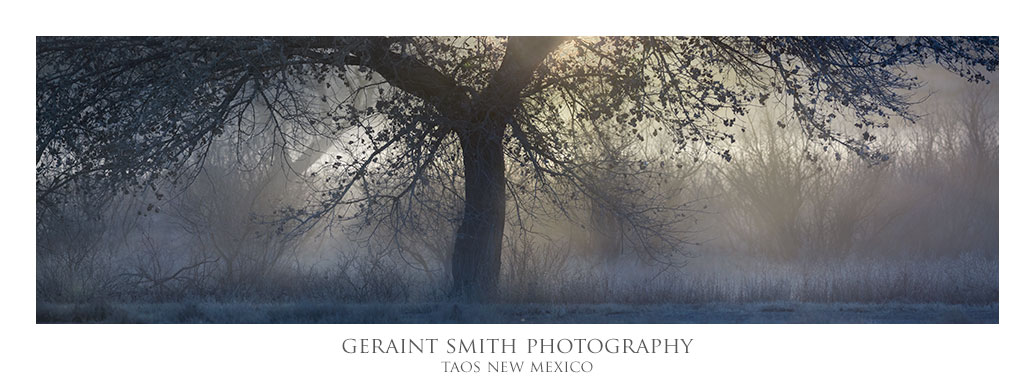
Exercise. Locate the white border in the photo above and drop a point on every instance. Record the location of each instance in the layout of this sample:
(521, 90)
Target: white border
(818, 354)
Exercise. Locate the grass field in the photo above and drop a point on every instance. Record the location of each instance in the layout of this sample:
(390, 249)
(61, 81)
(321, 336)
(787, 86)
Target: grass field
(720, 313)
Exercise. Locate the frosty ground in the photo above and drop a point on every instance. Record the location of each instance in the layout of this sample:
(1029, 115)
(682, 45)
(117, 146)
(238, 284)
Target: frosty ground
(444, 312)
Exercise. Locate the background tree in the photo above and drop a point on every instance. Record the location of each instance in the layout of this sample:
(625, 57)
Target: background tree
(122, 114)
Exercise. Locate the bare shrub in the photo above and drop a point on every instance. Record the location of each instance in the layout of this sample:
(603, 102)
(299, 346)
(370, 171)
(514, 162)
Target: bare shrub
(533, 272)
(370, 279)
(76, 250)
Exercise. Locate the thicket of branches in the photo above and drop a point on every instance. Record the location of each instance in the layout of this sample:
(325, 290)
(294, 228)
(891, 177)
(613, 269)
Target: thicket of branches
(782, 210)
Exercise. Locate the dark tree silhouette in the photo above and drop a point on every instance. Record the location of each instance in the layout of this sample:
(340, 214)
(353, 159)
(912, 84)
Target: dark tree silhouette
(120, 114)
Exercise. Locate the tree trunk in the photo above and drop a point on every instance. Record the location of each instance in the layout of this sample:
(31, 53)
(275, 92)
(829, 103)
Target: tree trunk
(476, 251)
(477, 248)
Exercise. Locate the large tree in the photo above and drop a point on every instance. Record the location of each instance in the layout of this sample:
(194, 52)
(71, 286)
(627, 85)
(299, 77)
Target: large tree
(119, 114)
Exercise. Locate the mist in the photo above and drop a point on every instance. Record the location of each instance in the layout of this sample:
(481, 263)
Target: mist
(774, 221)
